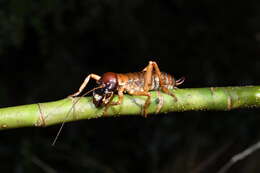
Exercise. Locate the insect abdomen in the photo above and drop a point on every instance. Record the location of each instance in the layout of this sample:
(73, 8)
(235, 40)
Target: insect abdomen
(135, 81)
(167, 80)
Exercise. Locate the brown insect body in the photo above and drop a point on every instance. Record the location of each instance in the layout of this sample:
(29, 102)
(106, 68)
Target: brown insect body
(135, 81)
(131, 82)
(138, 83)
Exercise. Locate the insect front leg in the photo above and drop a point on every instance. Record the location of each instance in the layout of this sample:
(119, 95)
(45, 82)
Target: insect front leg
(120, 97)
(120, 100)
(84, 84)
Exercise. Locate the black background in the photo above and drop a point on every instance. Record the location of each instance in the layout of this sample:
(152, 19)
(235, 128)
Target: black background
(47, 47)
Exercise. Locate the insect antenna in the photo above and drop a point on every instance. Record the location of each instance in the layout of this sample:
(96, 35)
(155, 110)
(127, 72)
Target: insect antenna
(63, 122)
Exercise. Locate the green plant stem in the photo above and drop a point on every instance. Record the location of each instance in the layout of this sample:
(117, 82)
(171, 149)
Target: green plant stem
(193, 99)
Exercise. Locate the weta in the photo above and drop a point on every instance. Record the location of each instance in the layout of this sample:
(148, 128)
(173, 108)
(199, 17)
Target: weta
(137, 83)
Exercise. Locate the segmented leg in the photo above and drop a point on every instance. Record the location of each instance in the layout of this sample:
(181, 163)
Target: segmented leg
(166, 90)
(84, 84)
(163, 88)
(147, 84)
(120, 99)
(160, 102)
(148, 81)
(147, 102)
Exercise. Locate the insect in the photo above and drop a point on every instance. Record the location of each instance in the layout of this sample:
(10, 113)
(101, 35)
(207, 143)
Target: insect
(138, 83)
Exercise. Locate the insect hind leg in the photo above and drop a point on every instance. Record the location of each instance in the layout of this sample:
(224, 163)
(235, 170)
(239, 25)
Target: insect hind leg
(163, 88)
(167, 91)
(152, 66)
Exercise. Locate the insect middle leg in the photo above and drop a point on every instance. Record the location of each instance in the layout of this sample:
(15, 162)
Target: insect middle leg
(147, 101)
(84, 84)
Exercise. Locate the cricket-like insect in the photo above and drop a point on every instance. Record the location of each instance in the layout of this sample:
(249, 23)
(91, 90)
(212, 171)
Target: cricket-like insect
(138, 83)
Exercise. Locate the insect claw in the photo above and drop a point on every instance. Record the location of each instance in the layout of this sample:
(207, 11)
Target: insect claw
(144, 113)
(105, 111)
(72, 95)
(175, 98)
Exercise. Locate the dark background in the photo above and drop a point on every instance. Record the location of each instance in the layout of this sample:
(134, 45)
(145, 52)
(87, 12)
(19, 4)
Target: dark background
(47, 47)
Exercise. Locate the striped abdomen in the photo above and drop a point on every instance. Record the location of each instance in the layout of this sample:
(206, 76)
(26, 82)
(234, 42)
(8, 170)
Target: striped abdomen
(135, 81)
(168, 81)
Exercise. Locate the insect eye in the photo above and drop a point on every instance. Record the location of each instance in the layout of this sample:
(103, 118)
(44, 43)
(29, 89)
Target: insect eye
(111, 86)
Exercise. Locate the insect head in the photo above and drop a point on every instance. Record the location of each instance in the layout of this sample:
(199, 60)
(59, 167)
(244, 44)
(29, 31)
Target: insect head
(103, 95)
